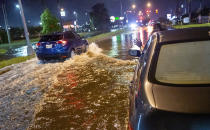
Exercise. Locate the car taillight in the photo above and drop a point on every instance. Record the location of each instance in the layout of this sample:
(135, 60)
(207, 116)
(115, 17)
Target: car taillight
(63, 42)
(38, 44)
(129, 126)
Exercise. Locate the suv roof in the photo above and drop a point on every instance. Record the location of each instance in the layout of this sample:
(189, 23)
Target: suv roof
(185, 34)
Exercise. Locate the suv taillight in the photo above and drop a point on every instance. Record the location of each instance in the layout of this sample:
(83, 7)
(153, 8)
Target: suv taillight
(63, 42)
(38, 44)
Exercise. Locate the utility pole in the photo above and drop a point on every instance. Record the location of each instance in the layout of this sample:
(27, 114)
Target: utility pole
(59, 9)
(201, 4)
(189, 8)
(6, 21)
(43, 4)
(29, 48)
(121, 8)
(186, 6)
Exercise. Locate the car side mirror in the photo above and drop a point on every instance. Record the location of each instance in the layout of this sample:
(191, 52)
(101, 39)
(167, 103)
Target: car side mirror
(134, 52)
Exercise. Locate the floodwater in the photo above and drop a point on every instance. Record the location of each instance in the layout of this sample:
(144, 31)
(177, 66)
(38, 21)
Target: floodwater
(92, 91)
(119, 45)
(89, 91)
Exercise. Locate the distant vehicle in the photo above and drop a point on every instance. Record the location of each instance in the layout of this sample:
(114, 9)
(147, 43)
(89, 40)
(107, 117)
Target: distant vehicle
(151, 23)
(172, 75)
(60, 45)
(186, 20)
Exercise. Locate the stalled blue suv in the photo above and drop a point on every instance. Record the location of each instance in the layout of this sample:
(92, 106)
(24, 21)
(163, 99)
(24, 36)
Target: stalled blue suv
(60, 45)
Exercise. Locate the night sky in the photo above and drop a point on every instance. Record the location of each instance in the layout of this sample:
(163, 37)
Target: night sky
(34, 8)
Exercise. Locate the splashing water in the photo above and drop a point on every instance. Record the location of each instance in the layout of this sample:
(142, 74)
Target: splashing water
(89, 91)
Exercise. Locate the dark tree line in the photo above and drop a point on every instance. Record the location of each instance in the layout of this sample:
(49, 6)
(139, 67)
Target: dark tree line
(99, 17)
(17, 33)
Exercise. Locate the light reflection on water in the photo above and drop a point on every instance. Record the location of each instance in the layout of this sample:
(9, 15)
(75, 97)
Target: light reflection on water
(114, 50)
(118, 46)
(22, 51)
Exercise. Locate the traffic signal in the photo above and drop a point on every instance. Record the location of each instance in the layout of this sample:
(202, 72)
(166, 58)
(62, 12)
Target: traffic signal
(156, 11)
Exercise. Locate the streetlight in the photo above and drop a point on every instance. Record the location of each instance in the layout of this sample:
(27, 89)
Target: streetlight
(156, 11)
(149, 4)
(62, 12)
(75, 22)
(17, 6)
(29, 48)
(133, 6)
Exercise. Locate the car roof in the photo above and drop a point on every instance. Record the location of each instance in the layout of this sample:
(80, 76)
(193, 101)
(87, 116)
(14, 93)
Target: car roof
(187, 34)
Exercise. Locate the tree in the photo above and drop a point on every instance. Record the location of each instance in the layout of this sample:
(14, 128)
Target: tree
(205, 11)
(100, 18)
(49, 22)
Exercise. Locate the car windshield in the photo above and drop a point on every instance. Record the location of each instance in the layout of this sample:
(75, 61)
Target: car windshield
(51, 38)
(184, 63)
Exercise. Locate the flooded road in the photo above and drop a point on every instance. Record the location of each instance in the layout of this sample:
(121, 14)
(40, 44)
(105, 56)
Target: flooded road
(89, 91)
(119, 45)
(92, 92)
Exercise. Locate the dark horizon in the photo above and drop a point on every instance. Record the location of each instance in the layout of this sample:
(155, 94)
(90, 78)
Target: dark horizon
(33, 9)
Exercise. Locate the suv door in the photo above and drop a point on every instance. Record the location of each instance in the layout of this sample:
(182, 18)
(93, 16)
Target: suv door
(136, 90)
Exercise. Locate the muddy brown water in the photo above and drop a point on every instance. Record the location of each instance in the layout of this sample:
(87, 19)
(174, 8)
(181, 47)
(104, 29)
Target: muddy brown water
(92, 91)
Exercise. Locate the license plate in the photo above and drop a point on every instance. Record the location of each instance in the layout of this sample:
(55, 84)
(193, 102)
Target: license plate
(49, 46)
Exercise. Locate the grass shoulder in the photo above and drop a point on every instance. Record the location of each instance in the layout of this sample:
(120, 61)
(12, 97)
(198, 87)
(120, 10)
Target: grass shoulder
(16, 60)
(104, 36)
(191, 25)
(17, 43)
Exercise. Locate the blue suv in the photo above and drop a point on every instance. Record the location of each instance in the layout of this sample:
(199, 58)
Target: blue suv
(60, 46)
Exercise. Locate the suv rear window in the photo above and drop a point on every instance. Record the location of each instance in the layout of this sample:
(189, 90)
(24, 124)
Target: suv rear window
(69, 35)
(51, 38)
(184, 63)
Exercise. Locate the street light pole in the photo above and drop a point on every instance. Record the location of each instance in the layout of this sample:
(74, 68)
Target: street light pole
(121, 8)
(29, 48)
(59, 9)
(75, 22)
(6, 22)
